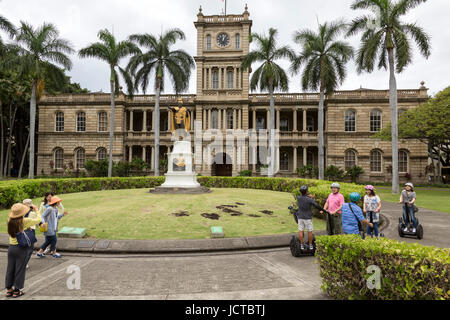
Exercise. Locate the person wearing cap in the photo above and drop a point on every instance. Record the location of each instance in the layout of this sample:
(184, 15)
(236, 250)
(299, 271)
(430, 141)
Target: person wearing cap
(333, 205)
(372, 207)
(304, 216)
(408, 198)
(351, 214)
(17, 256)
(32, 213)
(51, 217)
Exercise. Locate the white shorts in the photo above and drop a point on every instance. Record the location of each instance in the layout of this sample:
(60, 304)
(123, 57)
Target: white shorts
(305, 224)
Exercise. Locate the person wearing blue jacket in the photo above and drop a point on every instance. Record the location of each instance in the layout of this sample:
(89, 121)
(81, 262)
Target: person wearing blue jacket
(51, 218)
(351, 214)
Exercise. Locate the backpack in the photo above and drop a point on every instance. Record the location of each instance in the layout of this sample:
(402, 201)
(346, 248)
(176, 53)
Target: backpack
(26, 238)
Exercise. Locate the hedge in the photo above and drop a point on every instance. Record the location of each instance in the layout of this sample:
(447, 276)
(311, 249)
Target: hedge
(409, 271)
(13, 191)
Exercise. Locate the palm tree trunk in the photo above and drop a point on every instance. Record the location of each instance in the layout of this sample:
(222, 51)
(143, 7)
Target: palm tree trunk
(156, 122)
(272, 166)
(1, 140)
(23, 157)
(12, 119)
(32, 128)
(321, 138)
(394, 120)
(111, 126)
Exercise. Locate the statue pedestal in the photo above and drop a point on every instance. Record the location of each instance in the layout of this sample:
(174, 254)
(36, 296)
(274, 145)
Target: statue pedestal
(180, 176)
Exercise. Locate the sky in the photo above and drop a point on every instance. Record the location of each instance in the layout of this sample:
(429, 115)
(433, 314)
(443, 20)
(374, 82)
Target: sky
(80, 20)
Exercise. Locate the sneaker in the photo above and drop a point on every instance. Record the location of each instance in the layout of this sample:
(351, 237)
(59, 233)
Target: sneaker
(311, 247)
(40, 255)
(302, 247)
(56, 255)
(413, 230)
(47, 251)
(405, 230)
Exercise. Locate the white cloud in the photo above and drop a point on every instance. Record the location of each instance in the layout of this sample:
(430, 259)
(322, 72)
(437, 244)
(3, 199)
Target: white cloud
(80, 20)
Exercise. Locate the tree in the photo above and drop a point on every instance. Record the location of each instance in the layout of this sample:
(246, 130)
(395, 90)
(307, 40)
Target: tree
(325, 60)
(158, 59)
(39, 52)
(428, 123)
(269, 76)
(385, 38)
(111, 52)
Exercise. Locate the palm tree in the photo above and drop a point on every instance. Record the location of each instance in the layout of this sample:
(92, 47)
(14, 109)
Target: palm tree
(160, 60)
(39, 52)
(269, 76)
(385, 40)
(324, 58)
(111, 52)
(8, 27)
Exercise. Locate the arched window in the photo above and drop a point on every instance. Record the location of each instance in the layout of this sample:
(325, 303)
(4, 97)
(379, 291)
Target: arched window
(350, 159)
(80, 158)
(59, 122)
(402, 161)
(101, 154)
(208, 42)
(215, 79)
(237, 39)
(230, 76)
(81, 122)
(102, 121)
(375, 161)
(350, 121)
(59, 158)
(375, 120)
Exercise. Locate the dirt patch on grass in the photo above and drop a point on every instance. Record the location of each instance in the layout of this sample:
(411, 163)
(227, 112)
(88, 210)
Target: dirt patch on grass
(212, 216)
(254, 216)
(268, 212)
(181, 214)
(226, 209)
(240, 204)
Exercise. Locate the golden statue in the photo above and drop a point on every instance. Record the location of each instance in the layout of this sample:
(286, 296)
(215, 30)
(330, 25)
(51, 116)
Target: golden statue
(181, 118)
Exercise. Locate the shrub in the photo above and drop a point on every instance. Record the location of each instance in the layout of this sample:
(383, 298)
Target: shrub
(408, 270)
(97, 168)
(334, 173)
(245, 173)
(354, 172)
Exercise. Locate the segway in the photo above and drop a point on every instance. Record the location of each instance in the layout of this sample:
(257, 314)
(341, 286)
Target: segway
(294, 245)
(406, 224)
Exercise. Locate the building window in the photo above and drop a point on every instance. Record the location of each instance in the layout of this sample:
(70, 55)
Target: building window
(80, 158)
(350, 121)
(230, 76)
(101, 154)
(375, 120)
(215, 79)
(310, 124)
(230, 119)
(284, 161)
(208, 42)
(284, 124)
(260, 123)
(237, 39)
(81, 122)
(350, 159)
(402, 161)
(59, 158)
(102, 121)
(215, 119)
(310, 158)
(375, 161)
(59, 125)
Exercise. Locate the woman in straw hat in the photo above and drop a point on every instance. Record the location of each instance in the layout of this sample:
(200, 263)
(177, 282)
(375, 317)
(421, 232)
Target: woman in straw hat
(17, 256)
(51, 217)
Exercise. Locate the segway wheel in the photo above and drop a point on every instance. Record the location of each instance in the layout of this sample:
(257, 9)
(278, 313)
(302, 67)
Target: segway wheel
(295, 247)
(400, 231)
(419, 232)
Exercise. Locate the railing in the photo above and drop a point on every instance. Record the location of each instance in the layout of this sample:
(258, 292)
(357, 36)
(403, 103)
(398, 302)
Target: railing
(228, 18)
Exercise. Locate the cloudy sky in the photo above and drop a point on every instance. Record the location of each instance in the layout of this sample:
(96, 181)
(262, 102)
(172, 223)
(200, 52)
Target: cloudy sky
(80, 20)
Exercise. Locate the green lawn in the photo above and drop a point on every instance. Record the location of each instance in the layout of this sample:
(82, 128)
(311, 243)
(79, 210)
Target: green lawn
(137, 214)
(430, 198)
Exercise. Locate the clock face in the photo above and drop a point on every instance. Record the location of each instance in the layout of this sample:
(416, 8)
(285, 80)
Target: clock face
(223, 40)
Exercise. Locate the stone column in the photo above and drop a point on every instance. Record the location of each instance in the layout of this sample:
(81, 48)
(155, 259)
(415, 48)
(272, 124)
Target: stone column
(278, 120)
(169, 122)
(268, 119)
(152, 162)
(294, 168)
(144, 153)
(130, 154)
(295, 120)
(204, 125)
(219, 119)
(192, 120)
(144, 122)
(305, 156)
(209, 119)
(234, 120)
(131, 120)
(304, 119)
(240, 119)
(220, 78)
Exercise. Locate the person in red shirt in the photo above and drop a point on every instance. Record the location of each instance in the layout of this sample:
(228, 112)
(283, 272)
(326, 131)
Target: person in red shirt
(334, 204)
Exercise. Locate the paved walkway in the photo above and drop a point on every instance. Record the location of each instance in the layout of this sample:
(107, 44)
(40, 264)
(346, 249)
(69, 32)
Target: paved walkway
(257, 274)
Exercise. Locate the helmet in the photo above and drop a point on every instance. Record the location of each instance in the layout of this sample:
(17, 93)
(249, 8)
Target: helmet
(369, 187)
(409, 184)
(335, 185)
(304, 189)
(354, 197)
